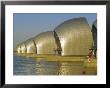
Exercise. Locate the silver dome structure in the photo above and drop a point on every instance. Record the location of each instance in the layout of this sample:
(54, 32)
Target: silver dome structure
(31, 46)
(94, 33)
(23, 48)
(75, 37)
(18, 49)
(45, 43)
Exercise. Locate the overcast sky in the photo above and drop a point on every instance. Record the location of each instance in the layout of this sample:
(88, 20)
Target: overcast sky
(28, 25)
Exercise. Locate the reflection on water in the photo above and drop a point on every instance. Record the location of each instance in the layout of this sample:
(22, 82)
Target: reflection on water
(24, 66)
(47, 68)
(27, 66)
(71, 68)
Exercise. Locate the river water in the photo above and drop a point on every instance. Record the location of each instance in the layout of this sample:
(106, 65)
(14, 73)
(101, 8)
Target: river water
(29, 66)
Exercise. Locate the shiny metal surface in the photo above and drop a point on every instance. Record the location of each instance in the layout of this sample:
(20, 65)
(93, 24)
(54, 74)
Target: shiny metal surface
(23, 48)
(30, 46)
(18, 49)
(45, 43)
(94, 33)
(75, 36)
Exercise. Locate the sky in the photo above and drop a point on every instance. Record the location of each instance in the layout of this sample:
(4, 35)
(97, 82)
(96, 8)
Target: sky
(28, 25)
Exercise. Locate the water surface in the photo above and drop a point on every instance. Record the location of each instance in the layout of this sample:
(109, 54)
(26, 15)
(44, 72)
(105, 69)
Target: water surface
(29, 66)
